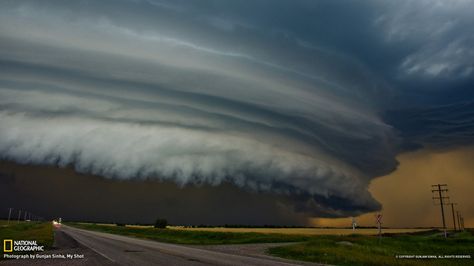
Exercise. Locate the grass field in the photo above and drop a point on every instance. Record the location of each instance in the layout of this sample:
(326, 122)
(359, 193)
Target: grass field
(300, 231)
(191, 237)
(42, 232)
(367, 250)
(332, 246)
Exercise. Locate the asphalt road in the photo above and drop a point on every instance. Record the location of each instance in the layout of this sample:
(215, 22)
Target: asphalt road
(122, 250)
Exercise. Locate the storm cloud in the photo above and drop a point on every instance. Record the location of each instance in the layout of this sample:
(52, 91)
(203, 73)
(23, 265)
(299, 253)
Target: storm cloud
(306, 99)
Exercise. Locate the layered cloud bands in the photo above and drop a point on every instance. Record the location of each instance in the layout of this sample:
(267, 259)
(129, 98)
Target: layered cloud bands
(200, 94)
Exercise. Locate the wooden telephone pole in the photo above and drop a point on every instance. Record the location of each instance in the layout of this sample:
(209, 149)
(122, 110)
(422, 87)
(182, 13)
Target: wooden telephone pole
(454, 217)
(441, 189)
(459, 220)
(9, 214)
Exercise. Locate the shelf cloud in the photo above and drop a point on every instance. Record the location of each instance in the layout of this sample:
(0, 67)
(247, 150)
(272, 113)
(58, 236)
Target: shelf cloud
(306, 99)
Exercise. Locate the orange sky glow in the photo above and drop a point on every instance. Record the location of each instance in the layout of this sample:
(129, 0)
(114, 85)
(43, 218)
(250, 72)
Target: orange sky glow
(406, 193)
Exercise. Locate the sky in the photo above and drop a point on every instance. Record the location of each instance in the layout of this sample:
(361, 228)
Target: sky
(272, 112)
(406, 194)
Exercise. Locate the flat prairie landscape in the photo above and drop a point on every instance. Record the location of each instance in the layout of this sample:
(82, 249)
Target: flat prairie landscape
(335, 246)
(300, 231)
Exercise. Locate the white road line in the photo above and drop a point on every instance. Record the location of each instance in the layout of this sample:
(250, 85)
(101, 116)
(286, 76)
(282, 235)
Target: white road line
(95, 250)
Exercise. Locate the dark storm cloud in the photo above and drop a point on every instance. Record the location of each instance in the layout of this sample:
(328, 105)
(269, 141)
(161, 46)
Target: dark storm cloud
(439, 126)
(52, 192)
(283, 97)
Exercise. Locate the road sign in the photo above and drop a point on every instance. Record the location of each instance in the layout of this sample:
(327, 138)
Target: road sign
(378, 218)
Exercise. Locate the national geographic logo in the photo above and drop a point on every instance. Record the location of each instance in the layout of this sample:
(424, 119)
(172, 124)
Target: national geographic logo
(7, 245)
(10, 245)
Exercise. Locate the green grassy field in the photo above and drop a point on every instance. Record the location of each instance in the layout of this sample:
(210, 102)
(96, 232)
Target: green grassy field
(299, 231)
(42, 232)
(192, 237)
(330, 249)
(367, 250)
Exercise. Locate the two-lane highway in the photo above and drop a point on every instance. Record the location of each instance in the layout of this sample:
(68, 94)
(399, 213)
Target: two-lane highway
(132, 251)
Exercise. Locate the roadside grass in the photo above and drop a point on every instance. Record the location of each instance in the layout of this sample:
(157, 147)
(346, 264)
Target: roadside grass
(192, 237)
(42, 232)
(327, 249)
(367, 250)
(301, 231)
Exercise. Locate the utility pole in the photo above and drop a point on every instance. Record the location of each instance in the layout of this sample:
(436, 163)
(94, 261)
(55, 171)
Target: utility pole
(24, 218)
(441, 188)
(459, 220)
(9, 214)
(454, 219)
(19, 215)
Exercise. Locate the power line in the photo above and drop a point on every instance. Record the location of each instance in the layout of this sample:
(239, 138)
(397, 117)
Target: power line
(9, 214)
(454, 219)
(441, 188)
(459, 220)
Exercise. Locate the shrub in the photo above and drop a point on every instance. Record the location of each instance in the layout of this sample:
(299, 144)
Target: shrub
(161, 223)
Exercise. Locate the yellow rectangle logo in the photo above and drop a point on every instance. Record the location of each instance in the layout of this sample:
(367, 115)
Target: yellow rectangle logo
(7, 245)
